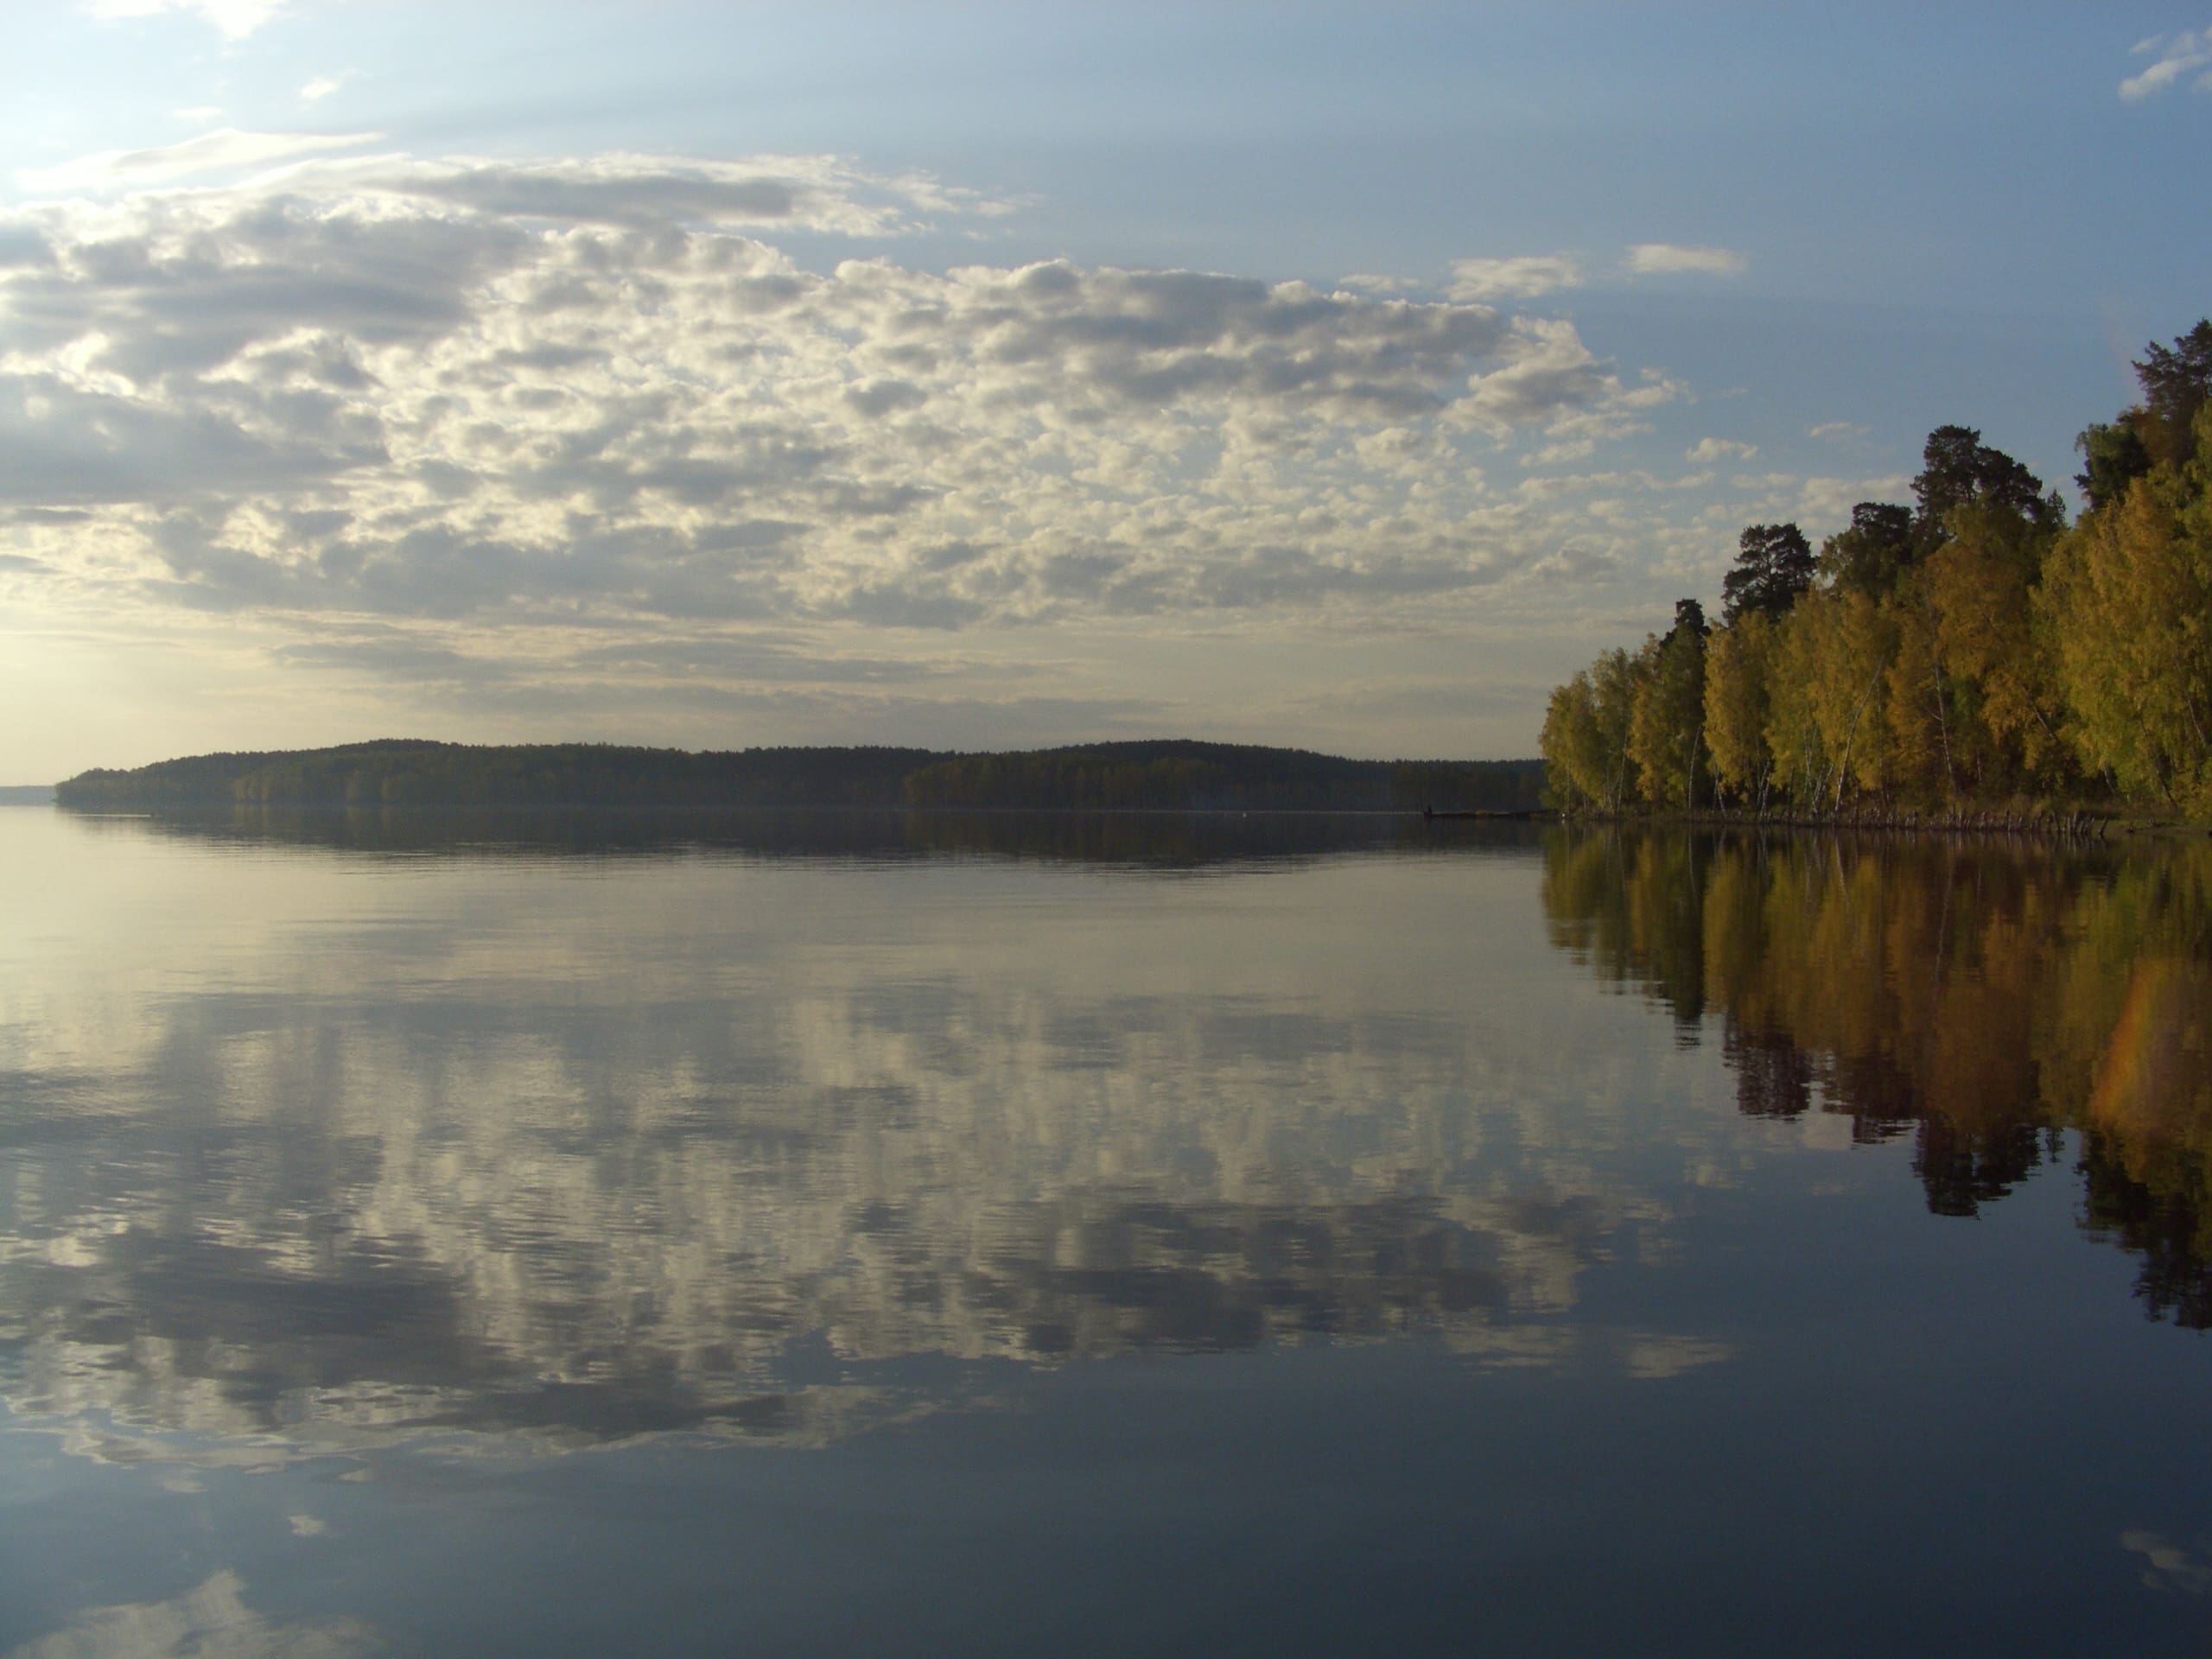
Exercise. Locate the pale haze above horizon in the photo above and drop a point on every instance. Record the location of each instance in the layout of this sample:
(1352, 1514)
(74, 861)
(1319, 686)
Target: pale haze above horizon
(996, 376)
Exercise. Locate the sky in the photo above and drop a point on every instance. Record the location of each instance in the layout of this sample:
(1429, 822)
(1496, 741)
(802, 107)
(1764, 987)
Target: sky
(1001, 375)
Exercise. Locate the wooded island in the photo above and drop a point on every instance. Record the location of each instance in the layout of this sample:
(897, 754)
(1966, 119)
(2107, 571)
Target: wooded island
(1165, 775)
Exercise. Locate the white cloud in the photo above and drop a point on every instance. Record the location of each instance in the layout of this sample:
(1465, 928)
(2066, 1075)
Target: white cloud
(314, 91)
(1369, 283)
(427, 419)
(2179, 56)
(235, 19)
(814, 192)
(225, 151)
(211, 1619)
(1705, 450)
(1836, 431)
(1820, 502)
(821, 192)
(1564, 452)
(1520, 278)
(1659, 258)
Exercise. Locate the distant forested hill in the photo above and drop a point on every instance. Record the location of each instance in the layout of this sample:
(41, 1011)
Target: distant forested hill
(408, 772)
(1231, 775)
(1170, 775)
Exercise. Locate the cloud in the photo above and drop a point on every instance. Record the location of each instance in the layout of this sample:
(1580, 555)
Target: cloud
(213, 1619)
(1660, 258)
(235, 19)
(813, 192)
(2169, 1565)
(227, 149)
(1836, 431)
(1551, 380)
(1655, 1357)
(63, 445)
(321, 86)
(2178, 57)
(1525, 277)
(1706, 450)
(450, 416)
(1564, 453)
(1371, 284)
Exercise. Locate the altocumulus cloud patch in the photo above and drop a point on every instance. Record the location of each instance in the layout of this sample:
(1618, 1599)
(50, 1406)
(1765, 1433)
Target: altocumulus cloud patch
(589, 392)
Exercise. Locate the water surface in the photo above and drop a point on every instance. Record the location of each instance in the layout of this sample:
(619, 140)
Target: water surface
(468, 1234)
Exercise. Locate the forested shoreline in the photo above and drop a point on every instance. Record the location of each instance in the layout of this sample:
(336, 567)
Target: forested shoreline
(1165, 775)
(1972, 651)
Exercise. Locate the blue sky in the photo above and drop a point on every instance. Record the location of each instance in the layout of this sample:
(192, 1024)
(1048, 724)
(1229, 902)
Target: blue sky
(719, 375)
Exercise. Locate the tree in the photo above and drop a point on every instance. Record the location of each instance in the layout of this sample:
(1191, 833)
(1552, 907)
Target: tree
(1958, 467)
(1575, 769)
(2128, 594)
(1978, 588)
(1921, 700)
(2114, 456)
(1615, 677)
(1667, 720)
(2176, 382)
(1846, 643)
(1970, 643)
(1793, 733)
(1689, 617)
(1584, 742)
(1874, 553)
(1774, 564)
(1739, 703)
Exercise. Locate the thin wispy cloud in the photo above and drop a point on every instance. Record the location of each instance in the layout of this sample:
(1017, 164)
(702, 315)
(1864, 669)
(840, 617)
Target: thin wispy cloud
(225, 151)
(314, 91)
(1663, 258)
(1371, 283)
(234, 19)
(2177, 58)
(1836, 431)
(811, 193)
(1519, 278)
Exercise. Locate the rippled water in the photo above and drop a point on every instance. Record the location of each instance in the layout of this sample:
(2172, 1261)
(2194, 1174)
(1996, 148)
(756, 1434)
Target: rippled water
(997, 1235)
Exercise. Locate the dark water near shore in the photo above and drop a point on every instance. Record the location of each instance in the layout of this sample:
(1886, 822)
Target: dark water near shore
(980, 1235)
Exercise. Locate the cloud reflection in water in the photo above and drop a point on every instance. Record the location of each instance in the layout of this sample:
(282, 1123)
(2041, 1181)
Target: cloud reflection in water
(327, 1153)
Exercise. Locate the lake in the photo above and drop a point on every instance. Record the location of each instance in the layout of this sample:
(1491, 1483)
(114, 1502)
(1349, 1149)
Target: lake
(1276, 1235)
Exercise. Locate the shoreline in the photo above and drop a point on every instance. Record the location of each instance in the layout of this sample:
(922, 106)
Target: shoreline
(2076, 825)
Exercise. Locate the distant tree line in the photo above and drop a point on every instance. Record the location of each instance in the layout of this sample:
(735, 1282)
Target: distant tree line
(1221, 776)
(1970, 647)
(404, 772)
(1164, 775)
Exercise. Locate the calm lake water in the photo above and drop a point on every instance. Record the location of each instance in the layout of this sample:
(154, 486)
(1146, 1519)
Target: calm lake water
(1116, 1235)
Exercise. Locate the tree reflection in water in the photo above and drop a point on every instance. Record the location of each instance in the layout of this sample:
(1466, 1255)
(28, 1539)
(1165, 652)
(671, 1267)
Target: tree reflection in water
(1983, 998)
